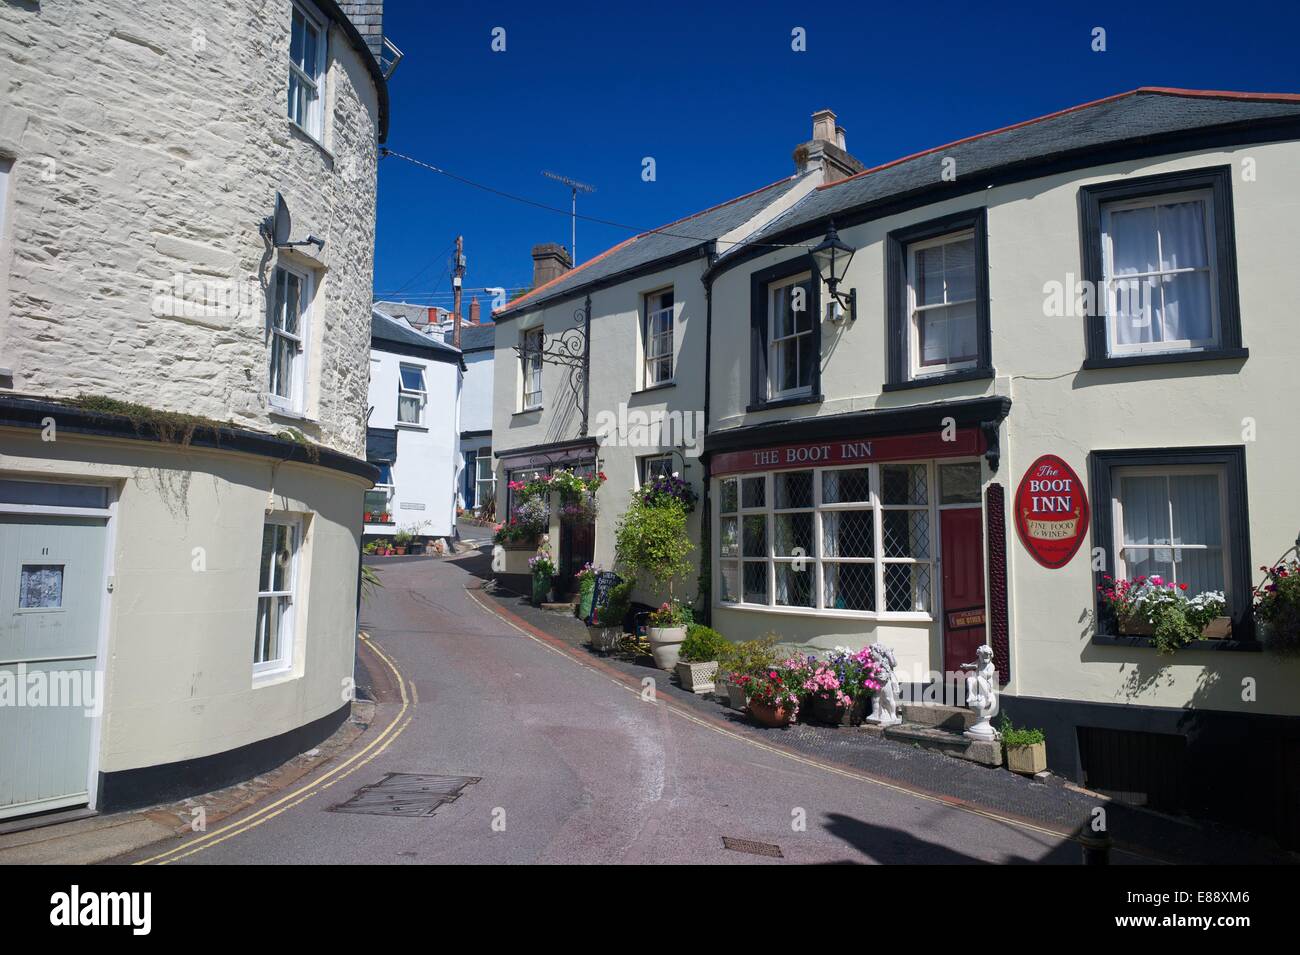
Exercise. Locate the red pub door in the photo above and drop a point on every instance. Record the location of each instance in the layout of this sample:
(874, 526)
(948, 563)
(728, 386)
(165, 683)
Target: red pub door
(962, 553)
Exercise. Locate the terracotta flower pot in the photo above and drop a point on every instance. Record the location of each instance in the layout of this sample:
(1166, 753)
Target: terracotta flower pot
(764, 714)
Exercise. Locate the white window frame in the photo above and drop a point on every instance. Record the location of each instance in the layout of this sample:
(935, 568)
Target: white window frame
(484, 456)
(916, 312)
(819, 559)
(1206, 198)
(6, 165)
(315, 125)
(646, 462)
(288, 631)
(532, 342)
(421, 394)
(775, 343)
(656, 347)
(387, 489)
(295, 400)
(1119, 472)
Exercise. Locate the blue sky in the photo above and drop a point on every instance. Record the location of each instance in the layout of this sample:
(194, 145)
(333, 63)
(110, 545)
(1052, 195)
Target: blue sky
(716, 95)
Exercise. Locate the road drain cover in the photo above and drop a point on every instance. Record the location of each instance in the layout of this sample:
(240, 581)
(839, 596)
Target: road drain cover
(752, 847)
(406, 794)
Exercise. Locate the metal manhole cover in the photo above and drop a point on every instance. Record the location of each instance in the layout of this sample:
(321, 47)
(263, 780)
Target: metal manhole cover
(752, 847)
(406, 794)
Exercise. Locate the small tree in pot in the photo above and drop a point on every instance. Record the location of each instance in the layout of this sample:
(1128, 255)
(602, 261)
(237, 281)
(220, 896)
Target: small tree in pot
(697, 665)
(651, 539)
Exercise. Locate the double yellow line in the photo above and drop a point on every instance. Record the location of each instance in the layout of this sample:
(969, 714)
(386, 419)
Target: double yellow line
(317, 785)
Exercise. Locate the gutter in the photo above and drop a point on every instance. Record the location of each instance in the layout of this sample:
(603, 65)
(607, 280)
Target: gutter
(31, 414)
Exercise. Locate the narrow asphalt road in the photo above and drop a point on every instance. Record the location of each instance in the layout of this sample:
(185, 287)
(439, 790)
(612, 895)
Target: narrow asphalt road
(573, 767)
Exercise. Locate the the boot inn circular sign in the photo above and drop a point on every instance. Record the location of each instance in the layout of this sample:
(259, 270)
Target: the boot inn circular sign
(1051, 511)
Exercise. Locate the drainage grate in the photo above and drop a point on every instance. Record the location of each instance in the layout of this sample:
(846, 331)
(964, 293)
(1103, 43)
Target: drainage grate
(752, 847)
(406, 794)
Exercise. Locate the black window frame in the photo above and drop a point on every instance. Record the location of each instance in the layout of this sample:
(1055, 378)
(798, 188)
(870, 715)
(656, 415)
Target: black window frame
(896, 312)
(1232, 458)
(1218, 179)
(758, 329)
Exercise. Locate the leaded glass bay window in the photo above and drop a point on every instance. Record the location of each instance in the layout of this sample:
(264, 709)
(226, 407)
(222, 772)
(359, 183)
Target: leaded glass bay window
(843, 539)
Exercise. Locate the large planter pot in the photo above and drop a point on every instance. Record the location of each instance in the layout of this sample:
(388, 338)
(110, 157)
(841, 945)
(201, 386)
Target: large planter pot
(770, 716)
(541, 588)
(735, 695)
(665, 645)
(697, 677)
(832, 714)
(1027, 760)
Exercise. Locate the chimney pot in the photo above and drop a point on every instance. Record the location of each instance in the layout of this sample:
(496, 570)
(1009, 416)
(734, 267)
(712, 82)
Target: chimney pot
(550, 261)
(824, 125)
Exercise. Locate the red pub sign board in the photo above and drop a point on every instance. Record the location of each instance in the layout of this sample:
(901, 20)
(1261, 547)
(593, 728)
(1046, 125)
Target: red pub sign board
(962, 442)
(1051, 511)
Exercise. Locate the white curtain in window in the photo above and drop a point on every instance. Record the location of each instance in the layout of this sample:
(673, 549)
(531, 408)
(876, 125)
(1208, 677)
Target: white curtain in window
(1173, 527)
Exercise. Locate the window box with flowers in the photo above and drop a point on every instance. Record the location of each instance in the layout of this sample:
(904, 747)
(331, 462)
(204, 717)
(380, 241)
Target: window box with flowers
(1151, 607)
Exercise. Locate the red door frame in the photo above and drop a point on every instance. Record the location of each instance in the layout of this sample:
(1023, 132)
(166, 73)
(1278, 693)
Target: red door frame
(961, 641)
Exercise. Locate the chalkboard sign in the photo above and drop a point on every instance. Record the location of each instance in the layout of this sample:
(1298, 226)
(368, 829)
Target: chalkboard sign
(606, 581)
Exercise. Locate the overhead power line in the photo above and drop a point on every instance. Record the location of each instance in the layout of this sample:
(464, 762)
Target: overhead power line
(385, 151)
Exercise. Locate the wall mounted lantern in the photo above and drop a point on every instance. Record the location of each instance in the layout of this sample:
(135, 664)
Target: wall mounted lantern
(832, 258)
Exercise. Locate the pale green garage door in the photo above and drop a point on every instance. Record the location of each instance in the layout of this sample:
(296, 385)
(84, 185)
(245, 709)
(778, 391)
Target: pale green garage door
(51, 586)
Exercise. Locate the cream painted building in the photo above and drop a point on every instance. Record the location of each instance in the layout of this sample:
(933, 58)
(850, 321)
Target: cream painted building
(202, 569)
(869, 468)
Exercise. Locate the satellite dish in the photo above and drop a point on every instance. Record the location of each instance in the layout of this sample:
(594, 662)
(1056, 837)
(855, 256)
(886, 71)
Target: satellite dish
(281, 222)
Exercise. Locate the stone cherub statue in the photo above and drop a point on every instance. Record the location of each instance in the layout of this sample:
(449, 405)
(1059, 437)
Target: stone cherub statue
(982, 693)
(884, 705)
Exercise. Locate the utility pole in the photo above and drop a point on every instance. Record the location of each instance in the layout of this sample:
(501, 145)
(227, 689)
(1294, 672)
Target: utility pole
(457, 280)
(575, 187)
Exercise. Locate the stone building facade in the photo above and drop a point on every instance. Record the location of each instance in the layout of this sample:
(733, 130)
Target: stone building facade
(182, 391)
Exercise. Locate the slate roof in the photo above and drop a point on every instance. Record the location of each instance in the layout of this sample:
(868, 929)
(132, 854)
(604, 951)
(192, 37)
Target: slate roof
(1144, 114)
(388, 331)
(649, 247)
(474, 337)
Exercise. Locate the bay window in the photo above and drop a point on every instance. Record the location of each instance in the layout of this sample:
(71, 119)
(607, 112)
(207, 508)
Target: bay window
(853, 540)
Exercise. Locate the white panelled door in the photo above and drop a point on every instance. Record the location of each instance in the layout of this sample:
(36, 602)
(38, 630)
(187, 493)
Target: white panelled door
(51, 586)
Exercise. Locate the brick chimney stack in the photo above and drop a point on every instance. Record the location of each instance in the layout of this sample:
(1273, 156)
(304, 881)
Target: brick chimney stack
(550, 261)
(473, 311)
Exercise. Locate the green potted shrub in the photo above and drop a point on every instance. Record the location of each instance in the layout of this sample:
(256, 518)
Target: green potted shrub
(748, 658)
(542, 565)
(652, 540)
(586, 579)
(401, 541)
(1026, 748)
(697, 663)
